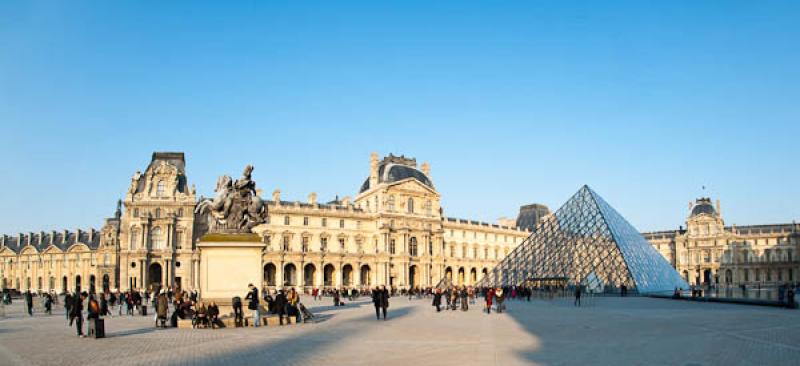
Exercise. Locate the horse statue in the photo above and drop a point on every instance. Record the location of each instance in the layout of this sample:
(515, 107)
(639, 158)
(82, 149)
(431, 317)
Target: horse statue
(236, 207)
(221, 204)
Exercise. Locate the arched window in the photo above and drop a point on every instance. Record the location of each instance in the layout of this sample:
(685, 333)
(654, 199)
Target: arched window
(160, 188)
(134, 239)
(155, 238)
(410, 205)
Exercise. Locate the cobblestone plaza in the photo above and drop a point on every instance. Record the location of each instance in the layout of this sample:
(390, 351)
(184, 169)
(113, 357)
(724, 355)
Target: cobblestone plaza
(608, 330)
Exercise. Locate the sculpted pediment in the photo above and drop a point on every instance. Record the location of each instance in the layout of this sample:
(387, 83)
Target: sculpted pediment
(412, 185)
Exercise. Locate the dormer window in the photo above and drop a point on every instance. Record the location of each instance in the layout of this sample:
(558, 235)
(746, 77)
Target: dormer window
(410, 205)
(160, 188)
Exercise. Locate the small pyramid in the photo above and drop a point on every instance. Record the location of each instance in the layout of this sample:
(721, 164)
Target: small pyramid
(588, 242)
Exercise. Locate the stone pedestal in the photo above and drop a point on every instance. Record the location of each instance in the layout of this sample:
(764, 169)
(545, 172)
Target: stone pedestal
(228, 263)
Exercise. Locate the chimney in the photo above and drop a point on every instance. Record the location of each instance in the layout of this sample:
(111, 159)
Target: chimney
(373, 169)
(66, 237)
(91, 235)
(53, 237)
(346, 201)
(41, 238)
(312, 198)
(276, 196)
(21, 240)
(426, 168)
(719, 211)
(77, 235)
(3, 241)
(30, 238)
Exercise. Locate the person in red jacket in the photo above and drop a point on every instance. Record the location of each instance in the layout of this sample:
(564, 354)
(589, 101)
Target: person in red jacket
(489, 297)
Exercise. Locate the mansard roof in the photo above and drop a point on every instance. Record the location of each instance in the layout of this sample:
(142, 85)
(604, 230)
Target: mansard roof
(394, 169)
(42, 240)
(175, 159)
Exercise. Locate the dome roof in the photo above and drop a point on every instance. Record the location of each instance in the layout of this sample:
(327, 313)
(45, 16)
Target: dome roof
(390, 173)
(703, 206)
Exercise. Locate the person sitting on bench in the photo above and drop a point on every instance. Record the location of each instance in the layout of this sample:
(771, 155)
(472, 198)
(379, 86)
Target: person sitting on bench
(213, 314)
(200, 316)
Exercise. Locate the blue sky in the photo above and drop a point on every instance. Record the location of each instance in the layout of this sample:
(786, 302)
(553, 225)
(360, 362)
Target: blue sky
(510, 102)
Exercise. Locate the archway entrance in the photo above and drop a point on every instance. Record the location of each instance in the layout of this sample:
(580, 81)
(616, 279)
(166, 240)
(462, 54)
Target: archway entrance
(289, 275)
(309, 273)
(707, 276)
(473, 276)
(77, 284)
(412, 277)
(448, 273)
(92, 283)
(64, 284)
(106, 284)
(365, 280)
(347, 275)
(461, 276)
(269, 274)
(328, 273)
(154, 275)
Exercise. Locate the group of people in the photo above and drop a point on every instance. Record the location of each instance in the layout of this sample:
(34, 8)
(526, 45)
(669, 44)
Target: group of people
(284, 304)
(454, 296)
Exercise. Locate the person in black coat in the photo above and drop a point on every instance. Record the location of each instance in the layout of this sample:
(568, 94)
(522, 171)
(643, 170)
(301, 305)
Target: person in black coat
(252, 304)
(29, 302)
(280, 305)
(380, 298)
(437, 300)
(76, 313)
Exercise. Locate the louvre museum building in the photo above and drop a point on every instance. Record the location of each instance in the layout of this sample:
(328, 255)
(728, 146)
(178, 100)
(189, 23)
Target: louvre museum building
(392, 233)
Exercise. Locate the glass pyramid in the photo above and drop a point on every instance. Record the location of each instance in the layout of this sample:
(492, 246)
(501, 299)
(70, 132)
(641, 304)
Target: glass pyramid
(588, 242)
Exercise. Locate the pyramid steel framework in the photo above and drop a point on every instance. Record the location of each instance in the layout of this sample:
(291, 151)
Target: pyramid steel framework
(588, 242)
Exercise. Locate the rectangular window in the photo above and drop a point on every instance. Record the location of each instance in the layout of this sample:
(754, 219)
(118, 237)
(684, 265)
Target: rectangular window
(286, 220)
(341, 224)
(305, 244)
(391, 246)
(285, 243)
(305, 221)
(323, 244)
(324, 222)
(341, 243)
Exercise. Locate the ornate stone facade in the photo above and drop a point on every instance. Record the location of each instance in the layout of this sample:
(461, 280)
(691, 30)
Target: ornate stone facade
(393, 233)
(708, 252)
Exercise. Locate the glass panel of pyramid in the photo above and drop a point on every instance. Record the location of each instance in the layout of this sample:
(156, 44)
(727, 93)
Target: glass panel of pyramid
(588, 242)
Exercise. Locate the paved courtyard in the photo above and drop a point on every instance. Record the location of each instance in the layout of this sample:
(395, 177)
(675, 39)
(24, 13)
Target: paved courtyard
(611, 331)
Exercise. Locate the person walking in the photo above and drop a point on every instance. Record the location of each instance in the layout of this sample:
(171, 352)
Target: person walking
(437, 300)
(489, 298)
(76, 313)
(499, 293)
(380, 299)
(48, 304)
(464, 299)
(577, 295)
(68, 305)
(29, 302)
(162, 307)
(253, 304)
(280, 305)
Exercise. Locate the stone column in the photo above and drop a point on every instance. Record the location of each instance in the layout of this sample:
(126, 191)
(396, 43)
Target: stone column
(279, 274)
(165, 281)
(321, 275)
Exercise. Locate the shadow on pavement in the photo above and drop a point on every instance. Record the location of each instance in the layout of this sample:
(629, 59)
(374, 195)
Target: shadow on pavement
(297, 348)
